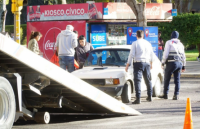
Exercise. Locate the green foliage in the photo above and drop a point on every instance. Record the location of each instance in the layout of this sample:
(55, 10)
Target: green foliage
(50, 2)
(191, 55)
(102, 0)
(10, 29)
(7, 2)
(165, 27)
(188, 26)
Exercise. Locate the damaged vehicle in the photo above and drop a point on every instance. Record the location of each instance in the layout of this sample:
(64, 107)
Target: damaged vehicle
(105, 70)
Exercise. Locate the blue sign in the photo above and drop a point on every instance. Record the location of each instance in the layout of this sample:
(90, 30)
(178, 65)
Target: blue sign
(98, 35)
(105, 11)
(87, 32)
(97, 45)
(151, 34)
(155, 48)
(98, 28)
(98, 38)
(131, 34)
(174, 12)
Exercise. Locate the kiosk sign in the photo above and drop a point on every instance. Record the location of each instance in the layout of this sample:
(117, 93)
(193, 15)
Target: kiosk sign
(65, 12)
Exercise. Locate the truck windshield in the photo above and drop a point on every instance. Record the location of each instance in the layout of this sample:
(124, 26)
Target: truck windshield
(108, 57)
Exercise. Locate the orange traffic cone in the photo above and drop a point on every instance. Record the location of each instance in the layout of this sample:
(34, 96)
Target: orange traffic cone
(188, 124)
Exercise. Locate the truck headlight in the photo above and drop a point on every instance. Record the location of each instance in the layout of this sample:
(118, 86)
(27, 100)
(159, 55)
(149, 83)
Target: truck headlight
(114, 81)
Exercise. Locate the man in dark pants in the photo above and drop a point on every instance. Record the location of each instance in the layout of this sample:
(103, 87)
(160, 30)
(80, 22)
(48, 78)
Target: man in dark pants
(174, 55)
(142, 53)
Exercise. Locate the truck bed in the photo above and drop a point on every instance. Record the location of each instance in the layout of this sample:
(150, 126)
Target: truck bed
(47, 87)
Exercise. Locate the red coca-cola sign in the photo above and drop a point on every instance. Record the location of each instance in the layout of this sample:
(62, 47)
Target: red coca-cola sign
(38, 13)
(31, 13)
(49, 41)
(153, 11)
(123, 11)
(92, 11)
(50, 31)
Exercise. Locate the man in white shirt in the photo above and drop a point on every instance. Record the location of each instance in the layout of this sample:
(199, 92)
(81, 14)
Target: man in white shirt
(142, 55)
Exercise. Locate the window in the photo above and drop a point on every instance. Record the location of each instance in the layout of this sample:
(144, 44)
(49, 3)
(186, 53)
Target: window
(117, 33)
(110, 57)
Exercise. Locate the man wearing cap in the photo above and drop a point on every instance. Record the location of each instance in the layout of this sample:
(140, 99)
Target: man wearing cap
(174, 58)
(66, 42)
(142, 55)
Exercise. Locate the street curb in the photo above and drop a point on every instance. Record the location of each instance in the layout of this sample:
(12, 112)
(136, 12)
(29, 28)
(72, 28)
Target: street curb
(185, 75)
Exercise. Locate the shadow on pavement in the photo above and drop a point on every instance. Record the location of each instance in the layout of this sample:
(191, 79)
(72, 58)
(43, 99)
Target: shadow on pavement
(67, 118)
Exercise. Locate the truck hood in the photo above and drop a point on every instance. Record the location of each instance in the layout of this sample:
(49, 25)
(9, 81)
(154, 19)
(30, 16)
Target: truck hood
(100, 72)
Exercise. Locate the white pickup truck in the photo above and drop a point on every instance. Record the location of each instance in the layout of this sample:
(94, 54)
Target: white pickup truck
(105, 69)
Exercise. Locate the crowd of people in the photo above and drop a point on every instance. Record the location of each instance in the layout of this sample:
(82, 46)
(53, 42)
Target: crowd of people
(70, 48)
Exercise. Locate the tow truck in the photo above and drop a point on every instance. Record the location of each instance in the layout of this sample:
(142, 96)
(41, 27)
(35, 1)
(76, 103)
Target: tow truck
(32, 88)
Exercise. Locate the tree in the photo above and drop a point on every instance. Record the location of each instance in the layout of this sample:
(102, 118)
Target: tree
(138, 7)
(166, 1)
(3, 12)
(183, 6)
(61, 2)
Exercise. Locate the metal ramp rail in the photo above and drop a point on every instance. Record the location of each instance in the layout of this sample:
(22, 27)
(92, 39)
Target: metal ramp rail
(47, 87)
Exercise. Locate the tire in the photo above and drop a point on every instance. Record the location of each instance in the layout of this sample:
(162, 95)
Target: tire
(7, 104)
(157, 88)
(126, 93)
(42, 117)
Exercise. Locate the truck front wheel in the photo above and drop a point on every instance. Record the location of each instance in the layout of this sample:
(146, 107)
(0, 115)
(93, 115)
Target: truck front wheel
(7, 104)
(42, 117)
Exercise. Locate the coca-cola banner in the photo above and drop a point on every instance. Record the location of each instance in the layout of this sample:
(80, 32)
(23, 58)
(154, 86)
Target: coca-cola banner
(65, 12)
(123, 11)
(49, 31)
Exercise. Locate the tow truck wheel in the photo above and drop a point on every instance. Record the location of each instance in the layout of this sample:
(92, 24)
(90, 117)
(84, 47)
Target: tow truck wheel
(126, 93)
(7, 104)
(42, 117)
(157, 88)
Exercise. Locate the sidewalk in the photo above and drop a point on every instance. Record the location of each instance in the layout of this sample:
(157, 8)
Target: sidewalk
(192, 70)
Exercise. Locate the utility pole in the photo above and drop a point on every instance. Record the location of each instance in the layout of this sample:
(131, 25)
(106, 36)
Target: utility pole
(17, 6)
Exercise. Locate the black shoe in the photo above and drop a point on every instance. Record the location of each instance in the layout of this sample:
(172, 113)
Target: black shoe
(149, 98)
(175, 97)
(137, 101)
(163, 96)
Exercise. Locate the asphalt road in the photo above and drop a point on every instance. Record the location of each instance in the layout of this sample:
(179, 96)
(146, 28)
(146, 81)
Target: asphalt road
(159, 114)
(192, 67)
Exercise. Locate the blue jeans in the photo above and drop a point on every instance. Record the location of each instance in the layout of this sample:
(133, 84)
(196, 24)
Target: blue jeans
(67, 61)
(160, 54)
(142, 69)
(172, 68)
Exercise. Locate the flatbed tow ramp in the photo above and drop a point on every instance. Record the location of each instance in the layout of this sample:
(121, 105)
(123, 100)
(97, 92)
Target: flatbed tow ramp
(38, 87)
